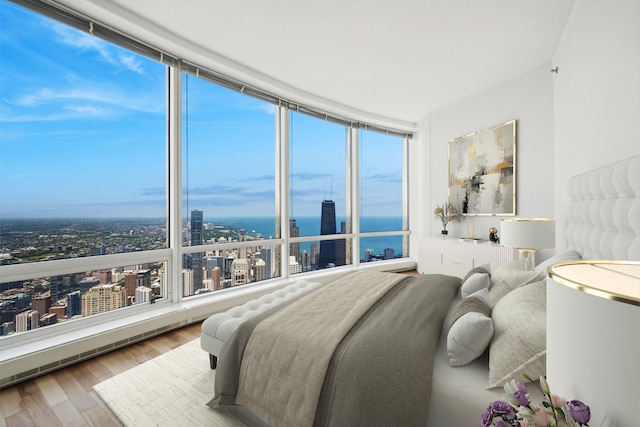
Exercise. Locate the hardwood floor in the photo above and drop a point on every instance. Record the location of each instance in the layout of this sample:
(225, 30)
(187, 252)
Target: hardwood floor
(66, 397)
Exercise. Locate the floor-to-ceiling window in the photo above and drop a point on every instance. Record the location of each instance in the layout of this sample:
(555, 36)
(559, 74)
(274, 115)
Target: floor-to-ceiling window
(88, 195)
(318, 193)
(82, 171)
(229, 182)
(381, 196)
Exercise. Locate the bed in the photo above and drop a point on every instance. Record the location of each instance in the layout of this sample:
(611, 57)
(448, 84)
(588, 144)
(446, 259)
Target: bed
(411, 357)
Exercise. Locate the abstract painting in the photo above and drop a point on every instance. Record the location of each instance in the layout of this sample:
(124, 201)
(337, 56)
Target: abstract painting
(482, 171)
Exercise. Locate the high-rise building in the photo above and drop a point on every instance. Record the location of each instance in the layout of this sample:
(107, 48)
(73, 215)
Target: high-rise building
(305, 260)
(389, 253)
(239, 272)
(213, 262)
(143, 294)
(27, 320)
(265, 255)
(327, 255)
(315, 253)
(41, 304)
(102, 298)
(56, 288)
(228, 267)
(74, 304)
(60, 310)
(294, 231)
(69, 283)
(294, 266)
(87, 283)
(215, 278)
(130, 284)
(187, 282)
(260, 270)
(369, 255)
(104, 276)
(197, 238)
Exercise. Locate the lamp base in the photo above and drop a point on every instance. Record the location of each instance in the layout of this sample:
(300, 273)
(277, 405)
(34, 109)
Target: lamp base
(529, 256)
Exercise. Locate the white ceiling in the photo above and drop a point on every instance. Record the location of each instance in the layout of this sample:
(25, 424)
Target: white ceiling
(391, 61)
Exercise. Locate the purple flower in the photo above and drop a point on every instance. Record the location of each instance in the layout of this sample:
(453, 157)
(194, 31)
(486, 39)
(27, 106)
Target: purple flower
(487, 417)
(521, 395)
(503, 409)
(502, 423)
(579, 411)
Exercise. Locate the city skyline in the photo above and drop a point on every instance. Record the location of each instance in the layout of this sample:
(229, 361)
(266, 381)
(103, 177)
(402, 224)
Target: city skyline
(84, 136)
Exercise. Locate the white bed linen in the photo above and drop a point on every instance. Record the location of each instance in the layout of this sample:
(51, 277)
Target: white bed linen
(458, 394)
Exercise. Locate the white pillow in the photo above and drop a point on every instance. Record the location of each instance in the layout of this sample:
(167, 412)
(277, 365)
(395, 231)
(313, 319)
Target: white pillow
(475, 283)
(519, 343)
(471, 331)
(483, 294)
(509, 277)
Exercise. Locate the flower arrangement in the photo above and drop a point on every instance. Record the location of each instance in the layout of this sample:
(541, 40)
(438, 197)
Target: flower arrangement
(446, 213)
(518, 411)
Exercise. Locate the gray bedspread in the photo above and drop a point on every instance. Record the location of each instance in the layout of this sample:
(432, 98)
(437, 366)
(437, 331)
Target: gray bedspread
(380, 372)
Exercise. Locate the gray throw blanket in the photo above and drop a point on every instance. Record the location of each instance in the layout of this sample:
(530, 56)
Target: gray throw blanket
(379, 374)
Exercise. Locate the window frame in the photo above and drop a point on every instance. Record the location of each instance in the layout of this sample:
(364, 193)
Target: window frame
(172, 255)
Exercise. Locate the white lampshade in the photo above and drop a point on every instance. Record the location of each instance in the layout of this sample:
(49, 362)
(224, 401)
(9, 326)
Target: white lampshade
(593, 341)
(528, 233)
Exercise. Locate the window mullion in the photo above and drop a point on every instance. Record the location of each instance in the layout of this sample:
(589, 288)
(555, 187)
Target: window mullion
(352, 196)
(174, 185)
(405, 195)
(282, 186)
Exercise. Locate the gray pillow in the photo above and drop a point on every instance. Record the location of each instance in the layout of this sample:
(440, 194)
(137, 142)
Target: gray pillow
(519, 343)
(485, 268)
(476, 282)
(569, 255)
(509, 277)
(470, 331)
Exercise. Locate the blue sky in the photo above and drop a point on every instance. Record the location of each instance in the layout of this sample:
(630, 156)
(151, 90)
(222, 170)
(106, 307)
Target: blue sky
(82, 133)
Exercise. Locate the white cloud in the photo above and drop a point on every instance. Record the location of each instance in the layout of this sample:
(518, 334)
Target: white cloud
(88, 42)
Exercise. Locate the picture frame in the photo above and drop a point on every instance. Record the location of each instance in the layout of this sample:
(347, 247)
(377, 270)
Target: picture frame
(482, 171)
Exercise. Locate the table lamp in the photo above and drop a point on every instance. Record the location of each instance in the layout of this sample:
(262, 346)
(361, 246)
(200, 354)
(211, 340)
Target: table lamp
(528, 235)
(593, 337)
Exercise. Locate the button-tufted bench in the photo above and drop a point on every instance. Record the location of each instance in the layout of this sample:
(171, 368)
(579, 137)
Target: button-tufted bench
(219, 327)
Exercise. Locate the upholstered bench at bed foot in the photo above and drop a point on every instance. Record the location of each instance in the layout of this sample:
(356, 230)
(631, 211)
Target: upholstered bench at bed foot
(219, 327)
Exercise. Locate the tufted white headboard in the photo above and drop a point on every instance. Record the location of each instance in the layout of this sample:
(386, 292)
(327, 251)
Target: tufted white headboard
(604, 212)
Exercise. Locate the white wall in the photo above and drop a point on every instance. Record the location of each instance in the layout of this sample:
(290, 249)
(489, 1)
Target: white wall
(528, 99)
(596, 93)
(585, 116)
(596, 122)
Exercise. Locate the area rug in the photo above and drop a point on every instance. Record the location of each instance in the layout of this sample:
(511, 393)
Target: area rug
(169, 390)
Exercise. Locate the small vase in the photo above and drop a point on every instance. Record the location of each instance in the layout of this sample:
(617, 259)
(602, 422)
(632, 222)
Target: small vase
(444, 234)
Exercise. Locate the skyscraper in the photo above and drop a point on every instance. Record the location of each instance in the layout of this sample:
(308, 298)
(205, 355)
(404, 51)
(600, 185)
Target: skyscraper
(56, 289)
(294, 231)
(305, 260)
(327, 226)
(187, 282)
(197, 233)
(265, 255)
(74, 304)
(315, 253)
(215, 278)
